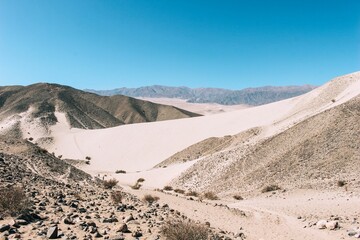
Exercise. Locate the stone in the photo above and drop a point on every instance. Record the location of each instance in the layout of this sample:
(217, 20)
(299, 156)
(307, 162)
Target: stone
(22, 222)
(4, 227)
(68, 221)
(321, 224)
(123, 228)
(52, 233)
(332, 225)
(117, 237)
(129, 218)
(137, 234)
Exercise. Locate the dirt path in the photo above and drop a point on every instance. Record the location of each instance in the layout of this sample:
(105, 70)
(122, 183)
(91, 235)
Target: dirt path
(261, 220)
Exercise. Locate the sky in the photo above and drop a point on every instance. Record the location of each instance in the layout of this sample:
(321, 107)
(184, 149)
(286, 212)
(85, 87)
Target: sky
(231, 44)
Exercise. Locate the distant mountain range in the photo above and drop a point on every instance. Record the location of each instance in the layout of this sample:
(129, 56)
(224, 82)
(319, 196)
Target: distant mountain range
(82, 109)
(248, 96)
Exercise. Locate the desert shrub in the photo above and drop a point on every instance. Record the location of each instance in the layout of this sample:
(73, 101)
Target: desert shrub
(270, 188)
(87, 162)
(341, 183)
(210, 196)
(150, 199)
(184, 230)
(13, 200)
(116, 197)
(77, 196)
(238, 197)
(109, 184)
(192, 193)
(136, 186)
(179, 191)
(140, 180)
(88, 158)
(168, 188)
(120, 171)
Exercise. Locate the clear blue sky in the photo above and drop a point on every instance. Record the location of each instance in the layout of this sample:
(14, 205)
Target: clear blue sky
(104, 44)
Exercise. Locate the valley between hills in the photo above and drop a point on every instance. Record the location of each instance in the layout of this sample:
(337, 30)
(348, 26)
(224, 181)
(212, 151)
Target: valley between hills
(282, 170)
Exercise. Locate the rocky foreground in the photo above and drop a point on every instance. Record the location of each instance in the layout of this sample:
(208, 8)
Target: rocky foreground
(66, 203)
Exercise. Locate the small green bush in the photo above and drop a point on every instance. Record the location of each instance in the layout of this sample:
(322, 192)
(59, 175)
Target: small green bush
(179, 191)
(116, 197)
(136, 186)
(109, 184)
(168, 188)
(270, 188)
(13, 201)
(192, 193)
(210, 196)
(184, 230)
(341, 183)
(150, 199)
(238, 197)
(141, 180)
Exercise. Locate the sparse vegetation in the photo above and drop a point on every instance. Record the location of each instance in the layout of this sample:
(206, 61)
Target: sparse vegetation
(136, 186)
(184, 230)
(120, 171)
(141, 180)
(150, 199)
(192, 193)
(116, 197)
(168, 188)
(341, 183)
(238, 197)
(179, 191)
(88, 158)
(77, 196)
(13, 200)
(109, 184)
(210, 196)
(270, 188)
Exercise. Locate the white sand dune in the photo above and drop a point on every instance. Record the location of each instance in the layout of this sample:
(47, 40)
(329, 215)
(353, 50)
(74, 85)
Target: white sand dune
(200, 108)
(138, 147)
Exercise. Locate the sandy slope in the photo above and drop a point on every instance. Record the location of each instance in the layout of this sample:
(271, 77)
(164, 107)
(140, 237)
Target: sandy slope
(139, 147)
(200, 108)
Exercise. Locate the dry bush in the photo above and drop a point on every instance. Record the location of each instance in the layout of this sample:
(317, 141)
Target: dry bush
(341, 183)
(238, 197)
(168, 188)
(109, 184)
(192, 193)
(136, 186)
(210, 196)
(270, 188)
(179, 191)
(13, 200)
(184, 230)
(150, 199)
(77, 196)
(120, 171)
(141, 180)
(116, 197)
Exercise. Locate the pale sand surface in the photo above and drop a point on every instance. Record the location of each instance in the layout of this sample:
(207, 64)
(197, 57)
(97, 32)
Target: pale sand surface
(139, 147)
(200, 108)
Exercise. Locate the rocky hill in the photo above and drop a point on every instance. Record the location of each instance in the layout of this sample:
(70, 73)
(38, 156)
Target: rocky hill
(316, 153)
(248, 96)
(43, 197)
(39, 103)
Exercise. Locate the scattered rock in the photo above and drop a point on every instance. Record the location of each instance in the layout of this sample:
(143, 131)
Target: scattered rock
(52, 233)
